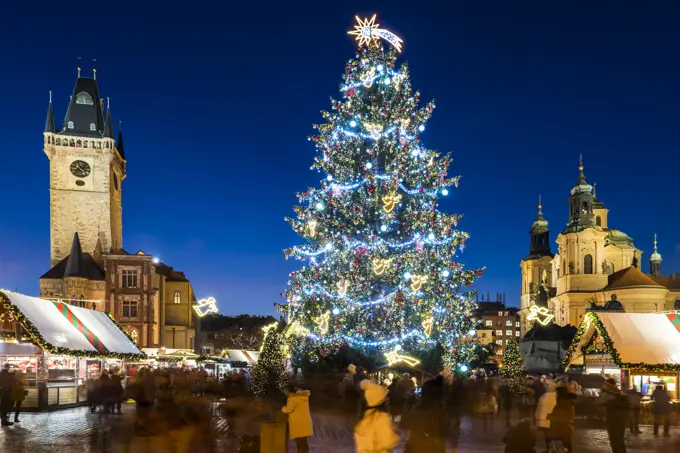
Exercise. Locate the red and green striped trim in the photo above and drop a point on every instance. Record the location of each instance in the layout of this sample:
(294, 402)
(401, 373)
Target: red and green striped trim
(82, 328)
(675, 320)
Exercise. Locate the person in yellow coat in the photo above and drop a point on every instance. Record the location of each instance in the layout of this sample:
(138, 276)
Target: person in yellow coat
(299, 416)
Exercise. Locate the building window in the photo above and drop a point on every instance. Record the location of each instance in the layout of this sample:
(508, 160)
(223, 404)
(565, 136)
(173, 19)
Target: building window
(517, 333)
(588, 264)
(84, 98)
(129, 309)
(517, 324)
(70, 125)
(508, 323)
(499, 342)
(178, 297)
(499, 333)
(508, 333)
(500, 313)
(129, 278)
(82, 301)
(134, 335)
(93, 127)
(598, 221)
(488, 323)
(483, 334)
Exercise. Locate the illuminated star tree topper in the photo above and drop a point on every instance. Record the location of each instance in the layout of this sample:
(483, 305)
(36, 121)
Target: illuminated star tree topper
(367, 32)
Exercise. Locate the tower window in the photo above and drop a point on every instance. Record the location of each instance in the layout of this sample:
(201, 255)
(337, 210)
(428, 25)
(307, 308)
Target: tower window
(178, 297)
(93, 127)
(129, 278)
(588, 264)
(70, 125)
(129, 309)
(584, 208)
(598, 221)
(84, 99)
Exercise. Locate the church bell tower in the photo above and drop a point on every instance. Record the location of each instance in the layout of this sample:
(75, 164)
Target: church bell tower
(87, 168)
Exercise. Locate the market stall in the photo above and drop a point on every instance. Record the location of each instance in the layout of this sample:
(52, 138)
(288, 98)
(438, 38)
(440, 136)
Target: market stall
(58, 347)
(641, 349)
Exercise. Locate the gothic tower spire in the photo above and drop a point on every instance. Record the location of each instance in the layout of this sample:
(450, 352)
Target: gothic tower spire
(581, 201)
(49, 122)
(540, 235)
(655, 261)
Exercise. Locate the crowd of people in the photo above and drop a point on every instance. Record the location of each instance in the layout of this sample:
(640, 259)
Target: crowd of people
(542, 407)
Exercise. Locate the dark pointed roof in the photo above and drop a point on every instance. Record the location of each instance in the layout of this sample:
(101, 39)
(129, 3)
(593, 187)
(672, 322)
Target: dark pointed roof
(76, 264)
(630, 277)
(49, 122)
(85, 109)
(108, 128)
(119, 146)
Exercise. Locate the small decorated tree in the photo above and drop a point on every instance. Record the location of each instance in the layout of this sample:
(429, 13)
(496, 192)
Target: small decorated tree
(512, 366)
(269, 375)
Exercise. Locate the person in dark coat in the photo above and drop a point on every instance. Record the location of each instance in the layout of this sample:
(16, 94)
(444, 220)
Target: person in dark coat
(427, 420)
(634, 399)
(661, 407)
(6, 395)
(618, 413)
(520, 438)
(506, 401)
(116, 393)
(562, 418)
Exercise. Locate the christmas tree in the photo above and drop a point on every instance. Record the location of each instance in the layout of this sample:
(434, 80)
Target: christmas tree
(381, 273)
(269, 376)
(512, 366)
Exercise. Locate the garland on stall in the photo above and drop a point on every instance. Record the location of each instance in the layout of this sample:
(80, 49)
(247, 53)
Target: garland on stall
(591, 317)
(37, 337)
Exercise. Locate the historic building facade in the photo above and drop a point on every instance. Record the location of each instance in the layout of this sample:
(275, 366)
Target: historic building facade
(595, 265)
(89, 267)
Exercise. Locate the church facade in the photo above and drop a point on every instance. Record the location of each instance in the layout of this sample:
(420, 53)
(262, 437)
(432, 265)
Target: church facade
(594, 266)
(89, 266)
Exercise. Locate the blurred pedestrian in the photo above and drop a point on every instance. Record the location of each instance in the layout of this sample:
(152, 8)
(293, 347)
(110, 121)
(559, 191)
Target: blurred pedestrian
(520, 438)
(546, 404)
(299, 416)
(375, 433)
(506, 400)
(486, 408)
(6, 393)
(634, 399)
(427, 420)
(116, 393)
(661, 407)
(561, 418)
(19, 394)
(618, 412)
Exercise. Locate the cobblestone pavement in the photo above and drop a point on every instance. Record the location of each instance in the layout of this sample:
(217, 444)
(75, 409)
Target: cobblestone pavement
(76, 430)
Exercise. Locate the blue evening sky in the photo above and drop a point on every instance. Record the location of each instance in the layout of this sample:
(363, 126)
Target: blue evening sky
(218, 98)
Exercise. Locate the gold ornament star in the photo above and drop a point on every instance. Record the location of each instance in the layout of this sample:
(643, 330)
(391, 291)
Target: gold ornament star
(394, 357)
(367, 32)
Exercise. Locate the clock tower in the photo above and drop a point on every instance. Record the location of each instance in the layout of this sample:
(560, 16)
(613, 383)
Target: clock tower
(87, 168)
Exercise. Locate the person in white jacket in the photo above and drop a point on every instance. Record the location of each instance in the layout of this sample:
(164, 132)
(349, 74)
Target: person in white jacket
(375, 432)
(545, 406)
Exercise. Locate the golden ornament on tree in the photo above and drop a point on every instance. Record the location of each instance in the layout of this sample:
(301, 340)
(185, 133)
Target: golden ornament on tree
(417, 281)
(381, 265)
(390, 201)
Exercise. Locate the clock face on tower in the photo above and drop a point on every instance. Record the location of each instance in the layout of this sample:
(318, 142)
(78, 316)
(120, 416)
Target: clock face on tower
(80, 168)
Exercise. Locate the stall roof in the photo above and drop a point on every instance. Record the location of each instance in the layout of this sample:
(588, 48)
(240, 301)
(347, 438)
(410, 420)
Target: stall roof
(243, 356)
(651, 339)
(63, 328)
